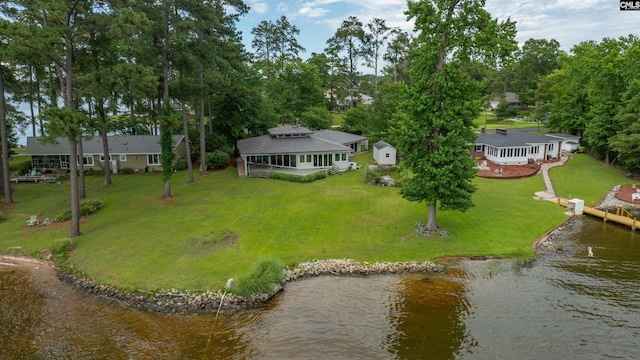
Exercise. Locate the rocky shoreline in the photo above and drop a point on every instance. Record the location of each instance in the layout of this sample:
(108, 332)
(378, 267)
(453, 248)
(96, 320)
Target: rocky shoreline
(558, 239)
(173, 301)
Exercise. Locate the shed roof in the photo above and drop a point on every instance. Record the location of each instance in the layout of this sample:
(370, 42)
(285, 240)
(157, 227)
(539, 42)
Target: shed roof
(120, 144)
(382, 144)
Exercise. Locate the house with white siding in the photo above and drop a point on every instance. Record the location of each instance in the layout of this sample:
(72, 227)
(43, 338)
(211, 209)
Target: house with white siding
(516, 147)
(300, 150)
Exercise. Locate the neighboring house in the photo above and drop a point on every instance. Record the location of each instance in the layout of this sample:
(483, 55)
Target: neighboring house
(512, 99)
(140, 152)
(570, 143)
(516, 147)
(384, 153)
(298, 148)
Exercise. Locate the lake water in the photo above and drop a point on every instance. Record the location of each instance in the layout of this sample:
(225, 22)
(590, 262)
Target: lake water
(563, 305)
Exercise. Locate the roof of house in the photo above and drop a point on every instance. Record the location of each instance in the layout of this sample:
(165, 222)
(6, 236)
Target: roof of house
(120, 144)
(510, 97)
(318, 141)
(338, 136)
(381, 145)
(564, 136)
(514, 138)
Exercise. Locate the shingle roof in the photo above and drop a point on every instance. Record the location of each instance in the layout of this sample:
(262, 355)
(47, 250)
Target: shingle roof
(381, 145)
(318, 141)
(338, 136)
(121, 144)
(513, 138)
(290, 130)
(563, 136)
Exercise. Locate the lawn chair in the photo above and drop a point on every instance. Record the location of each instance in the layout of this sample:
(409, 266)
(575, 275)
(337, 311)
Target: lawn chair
(33, 220)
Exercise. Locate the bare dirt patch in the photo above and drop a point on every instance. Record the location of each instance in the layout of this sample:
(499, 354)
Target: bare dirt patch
(212, 242)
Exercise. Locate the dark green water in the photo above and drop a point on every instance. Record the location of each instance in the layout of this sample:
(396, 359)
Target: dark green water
(561, 306)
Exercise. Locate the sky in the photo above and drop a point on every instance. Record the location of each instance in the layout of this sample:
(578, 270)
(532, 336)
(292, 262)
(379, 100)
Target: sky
(570, 22)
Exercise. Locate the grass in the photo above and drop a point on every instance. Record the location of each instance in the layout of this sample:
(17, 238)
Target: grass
(221, 226)
(585, 179)
(337, 119)
(491, 122)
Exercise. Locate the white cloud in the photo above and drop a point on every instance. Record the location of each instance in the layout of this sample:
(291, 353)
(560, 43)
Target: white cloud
(312, 12)
(259, 6)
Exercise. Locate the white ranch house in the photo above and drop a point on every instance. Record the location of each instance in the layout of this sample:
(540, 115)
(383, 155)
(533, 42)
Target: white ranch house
(517, 147)
(384, 153)
(300, 150)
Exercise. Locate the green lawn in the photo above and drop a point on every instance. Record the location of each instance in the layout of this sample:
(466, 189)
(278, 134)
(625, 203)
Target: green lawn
(219, 226)
(585, 178)
(490, 122)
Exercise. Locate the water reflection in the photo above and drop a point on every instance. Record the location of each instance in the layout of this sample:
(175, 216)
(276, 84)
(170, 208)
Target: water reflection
(562, 305)
(428, 318)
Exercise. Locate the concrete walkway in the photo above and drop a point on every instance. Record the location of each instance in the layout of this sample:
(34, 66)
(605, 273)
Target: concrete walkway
(549, 193)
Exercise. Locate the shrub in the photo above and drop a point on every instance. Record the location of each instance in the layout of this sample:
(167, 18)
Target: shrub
(127, 171)
(86, 208)
(295, 178)
(264, 278)
(180, 165)
(24, 167)
(90, 206)
(61, 247)
(217, 159)
(92, 171)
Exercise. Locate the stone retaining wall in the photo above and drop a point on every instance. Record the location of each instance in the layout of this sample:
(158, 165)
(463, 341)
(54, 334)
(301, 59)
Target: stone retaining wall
(173, 301)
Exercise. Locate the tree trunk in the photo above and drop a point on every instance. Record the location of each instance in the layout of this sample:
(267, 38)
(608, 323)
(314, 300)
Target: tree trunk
(210, 117)
(75, 200)
(81, 191)
(31, 110)
(432, 225)
(203, 142)
(6, 181)
(187, 146)
(167, 189)
(166, 106)
(105, 141)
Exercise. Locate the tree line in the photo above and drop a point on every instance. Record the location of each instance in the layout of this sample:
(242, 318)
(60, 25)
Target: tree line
(93, 68)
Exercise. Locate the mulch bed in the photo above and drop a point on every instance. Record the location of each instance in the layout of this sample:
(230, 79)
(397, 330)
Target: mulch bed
(625, 191)
(508, 171)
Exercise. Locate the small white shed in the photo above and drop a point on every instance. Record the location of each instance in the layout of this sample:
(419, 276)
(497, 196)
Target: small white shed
(384, 153)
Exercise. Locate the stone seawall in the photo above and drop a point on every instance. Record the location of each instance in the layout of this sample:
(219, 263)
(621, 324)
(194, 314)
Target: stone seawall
(173, 301)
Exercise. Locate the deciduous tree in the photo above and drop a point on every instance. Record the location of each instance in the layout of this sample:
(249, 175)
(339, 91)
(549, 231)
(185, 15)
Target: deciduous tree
(434, 128)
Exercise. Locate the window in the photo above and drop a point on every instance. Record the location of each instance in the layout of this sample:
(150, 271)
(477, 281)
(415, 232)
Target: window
(123, 157)
(387, 155)
(337, 157)
(344, 157)
(87, 161)
(102, 158)
(301, 158)
(153, 159)
(478, 148)
(308, 158)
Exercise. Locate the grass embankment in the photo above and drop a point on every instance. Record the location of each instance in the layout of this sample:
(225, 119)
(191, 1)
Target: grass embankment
(221, 226)
(586, 179)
